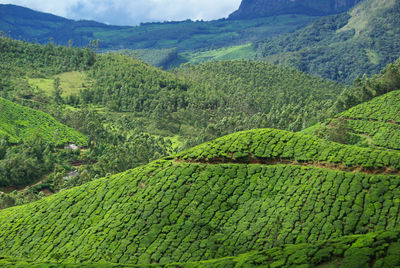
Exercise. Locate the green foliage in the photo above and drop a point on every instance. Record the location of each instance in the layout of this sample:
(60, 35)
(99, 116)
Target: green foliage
(22, 123)
(155, 57)
(270, 144)
(385, 108)
(323, 254)
(341, 47)
(37, 60)
(365, 89)
(20, 165)
(374, 123)
(174, 211)
(269, 96)
(210, 100)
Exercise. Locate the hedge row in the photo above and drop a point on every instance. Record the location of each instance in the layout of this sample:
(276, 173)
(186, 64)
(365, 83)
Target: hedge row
(283, 145)
(371, 250)
(179, 212)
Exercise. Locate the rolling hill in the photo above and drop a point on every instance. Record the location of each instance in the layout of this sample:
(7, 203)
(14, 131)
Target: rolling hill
(133, 113)
(341, 47)
(252, 190)
(21, 123)
(374, 122)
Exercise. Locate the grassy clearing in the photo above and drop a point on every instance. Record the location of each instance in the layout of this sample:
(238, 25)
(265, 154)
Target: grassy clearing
(70, 82)
(226, 53)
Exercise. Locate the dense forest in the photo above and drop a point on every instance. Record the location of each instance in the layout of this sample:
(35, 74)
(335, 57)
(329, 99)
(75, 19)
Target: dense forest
(341, 47)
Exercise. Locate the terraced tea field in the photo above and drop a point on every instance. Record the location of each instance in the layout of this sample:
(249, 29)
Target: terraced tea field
(215, 201)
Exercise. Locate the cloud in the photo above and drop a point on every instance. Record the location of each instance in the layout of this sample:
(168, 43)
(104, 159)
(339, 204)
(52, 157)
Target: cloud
(132, 12)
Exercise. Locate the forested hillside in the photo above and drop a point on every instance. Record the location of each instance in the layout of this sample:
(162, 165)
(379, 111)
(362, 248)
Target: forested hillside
(266, 94)
(205, 102)
(341, 47)
(248, 191)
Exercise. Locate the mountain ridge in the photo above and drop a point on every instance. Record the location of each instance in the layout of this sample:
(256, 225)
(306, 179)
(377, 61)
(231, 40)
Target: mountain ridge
(266, 8)
(27, 24)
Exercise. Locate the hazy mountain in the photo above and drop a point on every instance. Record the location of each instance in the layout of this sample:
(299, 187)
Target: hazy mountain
(29, 25)
(266, 8)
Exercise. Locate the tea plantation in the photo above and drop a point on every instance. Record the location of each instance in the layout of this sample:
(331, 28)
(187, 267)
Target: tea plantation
(21, 123)
(279, 198)
(376, 123)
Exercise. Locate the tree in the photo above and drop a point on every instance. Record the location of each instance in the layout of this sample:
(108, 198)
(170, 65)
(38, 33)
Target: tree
(338, 131)
(57, 91)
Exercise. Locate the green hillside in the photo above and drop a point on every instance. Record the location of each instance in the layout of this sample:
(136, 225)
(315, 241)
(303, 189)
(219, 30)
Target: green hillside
(210, 100)
(249, 191)
(374, 122)
(28, 142)
(341, 47)
(378, 119)
(265, 94)
(22, 123)
(381, 248)
(226, 53)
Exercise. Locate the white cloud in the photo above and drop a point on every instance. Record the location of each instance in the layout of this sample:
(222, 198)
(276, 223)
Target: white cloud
(131, 12)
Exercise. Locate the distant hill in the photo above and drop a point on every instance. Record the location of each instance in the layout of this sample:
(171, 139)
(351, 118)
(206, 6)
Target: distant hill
(341, 47)
(266, 8)
(249, 191)
(29, 25)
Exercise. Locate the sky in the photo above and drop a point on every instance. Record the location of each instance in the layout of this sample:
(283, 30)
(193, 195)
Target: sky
(132, 12)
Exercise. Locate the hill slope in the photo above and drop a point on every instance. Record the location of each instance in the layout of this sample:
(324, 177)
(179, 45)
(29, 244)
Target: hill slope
(266, 8)
(19, 122)
(375, 121)
(212, 99)
(133, 113)
(248, 191)
(341, 47)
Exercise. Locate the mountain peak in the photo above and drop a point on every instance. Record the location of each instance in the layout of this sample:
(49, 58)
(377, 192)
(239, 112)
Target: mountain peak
(267, 8)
